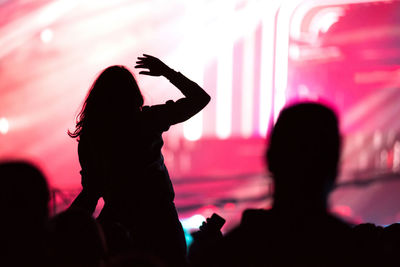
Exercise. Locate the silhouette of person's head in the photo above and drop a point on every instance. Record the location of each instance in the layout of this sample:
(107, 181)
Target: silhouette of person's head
(25, 194)
(76, 239)
(114, 95)
(24, 211)
(303, 153)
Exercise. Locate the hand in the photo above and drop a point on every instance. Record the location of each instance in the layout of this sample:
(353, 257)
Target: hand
(155, 66)
(204, 226)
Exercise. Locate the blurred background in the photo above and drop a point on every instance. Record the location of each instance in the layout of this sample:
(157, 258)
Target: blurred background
(252, 56)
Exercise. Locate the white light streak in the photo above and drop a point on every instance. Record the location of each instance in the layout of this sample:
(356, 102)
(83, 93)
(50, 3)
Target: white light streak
(267, 66)
(193, 222)
(282, 54)
(4, 126)
(17, 33)
(247, 86)
(325, 19)
(224, 92)
(193, 128)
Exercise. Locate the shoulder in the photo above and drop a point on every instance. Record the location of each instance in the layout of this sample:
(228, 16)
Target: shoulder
(242, 242)
(157, 116)
(252, 221)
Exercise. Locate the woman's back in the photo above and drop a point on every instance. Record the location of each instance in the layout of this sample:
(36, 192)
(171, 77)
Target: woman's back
(128, 158)
(123, 162)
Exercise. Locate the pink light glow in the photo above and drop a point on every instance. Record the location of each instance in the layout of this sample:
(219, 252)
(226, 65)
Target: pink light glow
(325, 19)
(192, 129)
(224, 94)
(46, 35)
(51, 52)
(285, 14)
(267, 69)
(247, 85)
(4, 126)
(77, 49)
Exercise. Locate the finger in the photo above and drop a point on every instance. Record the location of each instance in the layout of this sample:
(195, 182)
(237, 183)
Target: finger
(140, 66)
(141, 58)
(145, 72)
(140, 62)
(146, 55)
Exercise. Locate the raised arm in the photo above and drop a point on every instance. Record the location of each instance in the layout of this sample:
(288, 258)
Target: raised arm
(195, 97)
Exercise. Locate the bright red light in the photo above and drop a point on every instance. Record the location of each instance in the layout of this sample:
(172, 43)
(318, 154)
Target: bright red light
(229, 206)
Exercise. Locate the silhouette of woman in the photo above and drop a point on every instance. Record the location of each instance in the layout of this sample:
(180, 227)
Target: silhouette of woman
(119, 151)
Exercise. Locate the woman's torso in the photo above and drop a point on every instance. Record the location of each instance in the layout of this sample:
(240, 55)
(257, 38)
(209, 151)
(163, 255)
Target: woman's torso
(127, 162)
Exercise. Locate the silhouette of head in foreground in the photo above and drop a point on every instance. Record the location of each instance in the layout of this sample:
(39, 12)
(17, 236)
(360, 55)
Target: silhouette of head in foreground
(114, 96)
(24, 210)
(76, 239)
(303, 155)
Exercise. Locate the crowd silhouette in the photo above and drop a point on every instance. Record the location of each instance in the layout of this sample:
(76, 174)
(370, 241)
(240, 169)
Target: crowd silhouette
(139, 226)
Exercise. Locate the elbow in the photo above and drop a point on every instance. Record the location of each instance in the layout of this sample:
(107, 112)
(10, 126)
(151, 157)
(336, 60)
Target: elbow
(202, 101)
(207, 99)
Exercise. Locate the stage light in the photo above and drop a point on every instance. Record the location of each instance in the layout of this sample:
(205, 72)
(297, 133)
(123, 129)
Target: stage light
(248, 85)
(46, 35)
(188, 237)
(377, 139)
(193, 128)
(396, 156)
(343, 211)
(324, 20)
(4, 126)
(229, 206)
(306, 93)
(267, 68)
(285, 14)
(224, 93)
(193, 222)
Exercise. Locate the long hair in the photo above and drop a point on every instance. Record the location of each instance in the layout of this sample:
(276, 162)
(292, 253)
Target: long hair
(114, 93)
